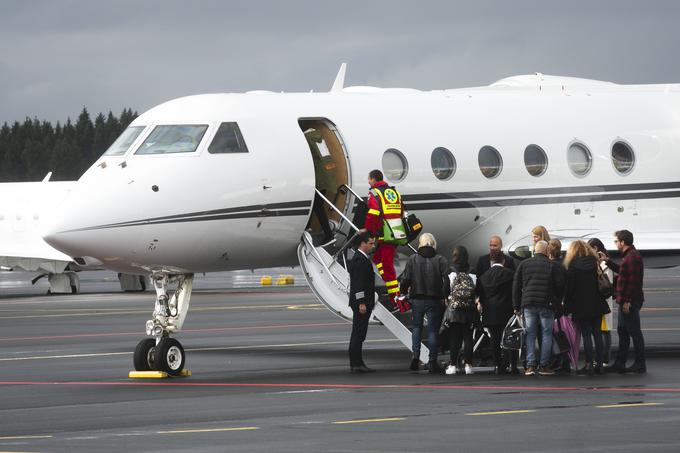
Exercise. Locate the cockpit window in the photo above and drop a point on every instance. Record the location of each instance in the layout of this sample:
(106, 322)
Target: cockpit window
(228, 139)
(123, 142)
(176, 138)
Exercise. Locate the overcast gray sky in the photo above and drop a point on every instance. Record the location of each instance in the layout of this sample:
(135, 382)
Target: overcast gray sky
(58, 56)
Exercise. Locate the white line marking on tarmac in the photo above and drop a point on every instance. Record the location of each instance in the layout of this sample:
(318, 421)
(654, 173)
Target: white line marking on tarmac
(524, 411)
(213, 430)
(113, 311)
(226, 348)
(369, 420)
(303, 391)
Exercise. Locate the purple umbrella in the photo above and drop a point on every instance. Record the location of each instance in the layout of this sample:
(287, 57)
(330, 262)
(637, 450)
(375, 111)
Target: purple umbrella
(573, 334)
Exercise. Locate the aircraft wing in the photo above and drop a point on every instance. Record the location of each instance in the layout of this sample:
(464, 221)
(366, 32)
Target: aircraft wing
(25, 209)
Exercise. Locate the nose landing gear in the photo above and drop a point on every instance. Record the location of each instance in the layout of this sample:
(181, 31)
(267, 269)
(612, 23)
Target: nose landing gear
(163, 353)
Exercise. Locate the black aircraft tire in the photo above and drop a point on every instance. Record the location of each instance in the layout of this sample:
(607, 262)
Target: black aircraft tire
(169, 356)
(143, 357)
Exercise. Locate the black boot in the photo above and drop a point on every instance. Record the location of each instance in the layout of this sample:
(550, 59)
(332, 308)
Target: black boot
(637, 367)
(415, 364)
(434, 368)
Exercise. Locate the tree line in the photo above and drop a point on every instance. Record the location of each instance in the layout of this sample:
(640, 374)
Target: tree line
(29, 150)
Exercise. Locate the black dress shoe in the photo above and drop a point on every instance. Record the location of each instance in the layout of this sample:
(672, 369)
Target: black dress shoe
(639, 368)
(415, 365)
(361, 369)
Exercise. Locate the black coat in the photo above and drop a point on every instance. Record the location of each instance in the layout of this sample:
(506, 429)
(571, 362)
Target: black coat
(484, 264)
(536, 282)
(494, 289)
(361, 281)
(426, 275)
(560, 282)
(582, 297)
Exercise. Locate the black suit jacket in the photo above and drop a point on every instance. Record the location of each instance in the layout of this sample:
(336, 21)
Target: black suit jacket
(361, 281)
(484, 264)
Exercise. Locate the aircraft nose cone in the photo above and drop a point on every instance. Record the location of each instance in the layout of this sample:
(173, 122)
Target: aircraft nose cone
(61, 241)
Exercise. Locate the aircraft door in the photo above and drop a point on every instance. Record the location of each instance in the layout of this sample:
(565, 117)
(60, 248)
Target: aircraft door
(331, 172)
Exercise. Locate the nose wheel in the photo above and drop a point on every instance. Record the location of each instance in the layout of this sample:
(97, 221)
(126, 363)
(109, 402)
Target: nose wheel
(161, 352)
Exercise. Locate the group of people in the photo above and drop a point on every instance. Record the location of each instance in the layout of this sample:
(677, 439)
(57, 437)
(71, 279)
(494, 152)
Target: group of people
(538, 291)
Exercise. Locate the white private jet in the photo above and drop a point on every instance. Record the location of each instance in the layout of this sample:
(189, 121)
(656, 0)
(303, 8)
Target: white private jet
(227, 181)
(25, 209)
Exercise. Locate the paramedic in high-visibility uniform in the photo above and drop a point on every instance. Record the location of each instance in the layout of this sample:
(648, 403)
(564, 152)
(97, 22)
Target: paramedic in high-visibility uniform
(383, 219)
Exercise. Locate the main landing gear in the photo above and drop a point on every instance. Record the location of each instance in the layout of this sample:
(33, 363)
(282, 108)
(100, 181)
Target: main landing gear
(163, 353)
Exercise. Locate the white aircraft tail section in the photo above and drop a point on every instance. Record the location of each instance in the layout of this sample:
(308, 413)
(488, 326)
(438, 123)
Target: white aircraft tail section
(329, 281)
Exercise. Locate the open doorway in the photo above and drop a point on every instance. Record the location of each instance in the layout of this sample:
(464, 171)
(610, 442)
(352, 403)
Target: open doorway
(330, 170)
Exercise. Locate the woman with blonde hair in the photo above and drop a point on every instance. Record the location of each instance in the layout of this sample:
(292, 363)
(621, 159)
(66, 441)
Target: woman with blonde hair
(540, 233)
(583, 300)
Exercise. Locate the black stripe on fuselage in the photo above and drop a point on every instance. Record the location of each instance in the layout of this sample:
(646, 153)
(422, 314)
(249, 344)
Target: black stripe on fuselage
(482, 203)
(292, 208)
(541, 191)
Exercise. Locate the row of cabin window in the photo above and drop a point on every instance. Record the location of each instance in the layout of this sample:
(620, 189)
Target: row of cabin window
(180, 138)
(579, 158)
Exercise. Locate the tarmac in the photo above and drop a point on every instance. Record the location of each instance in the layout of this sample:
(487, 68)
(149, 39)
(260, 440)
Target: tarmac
(270, 373)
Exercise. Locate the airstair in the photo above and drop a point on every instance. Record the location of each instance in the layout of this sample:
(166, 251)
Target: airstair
(325, 269)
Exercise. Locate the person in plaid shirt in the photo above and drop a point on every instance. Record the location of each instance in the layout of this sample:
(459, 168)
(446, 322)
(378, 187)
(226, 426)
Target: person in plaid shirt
(630, 298)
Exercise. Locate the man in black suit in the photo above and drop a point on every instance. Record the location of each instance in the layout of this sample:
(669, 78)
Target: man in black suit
(484, 263)
(361, 299)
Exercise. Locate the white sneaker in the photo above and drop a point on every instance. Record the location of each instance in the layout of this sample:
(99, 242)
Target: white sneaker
(451, 369)
(468, 369)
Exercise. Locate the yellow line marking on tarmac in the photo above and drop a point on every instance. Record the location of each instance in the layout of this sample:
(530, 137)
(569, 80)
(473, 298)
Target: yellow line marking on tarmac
(213, 430)
(523, 411)
(370, 420)
(104, 312)
(25, 437)
(226, 348)
(612, 406)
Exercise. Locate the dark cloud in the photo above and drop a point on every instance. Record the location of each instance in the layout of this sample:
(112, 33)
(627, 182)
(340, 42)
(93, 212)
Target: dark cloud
(56, 57)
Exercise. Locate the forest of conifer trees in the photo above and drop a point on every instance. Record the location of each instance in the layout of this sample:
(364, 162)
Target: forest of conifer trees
(29, 150)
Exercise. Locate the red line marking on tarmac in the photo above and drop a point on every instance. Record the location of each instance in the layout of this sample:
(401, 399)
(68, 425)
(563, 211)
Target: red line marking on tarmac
(215, 329)
(349, 386)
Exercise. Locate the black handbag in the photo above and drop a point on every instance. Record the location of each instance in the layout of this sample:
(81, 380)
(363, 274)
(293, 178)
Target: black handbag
(513, 334)
(604, 285)
(412, 225)
(560, 340)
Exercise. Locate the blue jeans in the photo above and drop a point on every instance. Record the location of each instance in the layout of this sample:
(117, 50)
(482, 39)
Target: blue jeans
(629, 326)
(420, 308)
(590, 328)
(533, 316)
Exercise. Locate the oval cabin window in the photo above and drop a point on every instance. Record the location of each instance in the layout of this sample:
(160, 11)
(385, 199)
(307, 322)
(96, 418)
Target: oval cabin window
(579, 158)
(535, 160)
(490, 162)
(443, 163)
(623, 158)
(395, 165)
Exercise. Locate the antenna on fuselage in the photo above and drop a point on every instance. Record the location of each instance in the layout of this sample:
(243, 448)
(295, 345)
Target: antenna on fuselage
(339, 83)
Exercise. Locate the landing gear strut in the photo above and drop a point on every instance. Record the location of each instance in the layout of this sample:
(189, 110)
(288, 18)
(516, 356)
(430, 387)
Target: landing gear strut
(162, 353)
